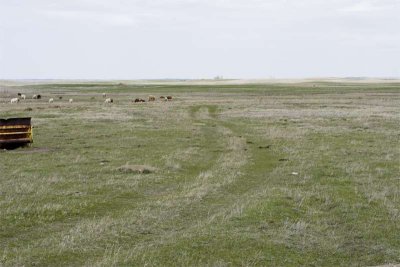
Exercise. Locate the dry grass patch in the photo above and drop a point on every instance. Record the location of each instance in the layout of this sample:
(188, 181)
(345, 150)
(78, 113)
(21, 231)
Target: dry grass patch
(136, 169)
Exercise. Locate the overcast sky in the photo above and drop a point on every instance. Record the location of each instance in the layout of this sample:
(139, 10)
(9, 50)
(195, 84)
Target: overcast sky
(142, 39)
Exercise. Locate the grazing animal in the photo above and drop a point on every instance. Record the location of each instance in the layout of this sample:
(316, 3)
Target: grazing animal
(60, 97)
(109, 100)
(14, 100)
(104, 95)
(138, 100)
(169, 97)
(19, 94)
(152, 98)
(71, 100)
(51, 100)
(34, 96)
(162, 97)
(37, 97)
(23, 97)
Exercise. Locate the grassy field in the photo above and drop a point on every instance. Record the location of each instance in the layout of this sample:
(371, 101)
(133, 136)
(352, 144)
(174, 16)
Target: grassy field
(303, 174)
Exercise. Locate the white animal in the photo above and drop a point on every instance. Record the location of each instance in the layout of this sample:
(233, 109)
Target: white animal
(104, 95)
(23, 97)
(71, 100)
(34, 96)
(51, 100)
(14, 100)
(108, 100)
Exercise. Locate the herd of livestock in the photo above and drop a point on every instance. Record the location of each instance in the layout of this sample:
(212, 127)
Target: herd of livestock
(151, 98)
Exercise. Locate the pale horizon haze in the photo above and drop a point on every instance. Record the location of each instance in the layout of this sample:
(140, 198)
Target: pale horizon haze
(193, 39)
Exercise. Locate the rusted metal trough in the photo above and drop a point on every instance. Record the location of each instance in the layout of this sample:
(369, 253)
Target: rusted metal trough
(15, 132)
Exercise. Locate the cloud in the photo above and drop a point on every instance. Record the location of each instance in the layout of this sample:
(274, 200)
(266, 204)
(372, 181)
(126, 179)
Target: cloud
(371, 6)
(105, 18)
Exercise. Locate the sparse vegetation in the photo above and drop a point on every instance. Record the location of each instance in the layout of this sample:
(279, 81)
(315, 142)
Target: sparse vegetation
(222, 175)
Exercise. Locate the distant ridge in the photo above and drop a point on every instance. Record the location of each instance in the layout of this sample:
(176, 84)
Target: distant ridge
(21, 82)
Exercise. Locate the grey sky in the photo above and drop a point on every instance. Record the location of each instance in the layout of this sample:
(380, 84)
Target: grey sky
(139, 39)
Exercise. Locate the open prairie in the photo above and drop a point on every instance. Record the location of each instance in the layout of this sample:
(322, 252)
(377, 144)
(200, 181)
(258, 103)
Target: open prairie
(225, 174)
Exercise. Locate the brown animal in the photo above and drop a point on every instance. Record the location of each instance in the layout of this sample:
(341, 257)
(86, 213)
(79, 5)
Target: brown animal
(169, 97)
(152, 98)
(138, 100)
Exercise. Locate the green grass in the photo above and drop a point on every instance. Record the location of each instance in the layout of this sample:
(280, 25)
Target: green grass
(223, 193)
